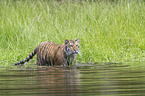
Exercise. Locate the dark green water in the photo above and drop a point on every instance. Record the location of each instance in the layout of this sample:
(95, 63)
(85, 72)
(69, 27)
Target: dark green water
(83, 80)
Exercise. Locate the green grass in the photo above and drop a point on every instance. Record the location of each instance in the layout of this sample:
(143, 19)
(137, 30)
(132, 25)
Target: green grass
(108, 31)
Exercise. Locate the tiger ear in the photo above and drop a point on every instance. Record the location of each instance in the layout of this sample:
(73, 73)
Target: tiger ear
(66, 42)
(77, 40)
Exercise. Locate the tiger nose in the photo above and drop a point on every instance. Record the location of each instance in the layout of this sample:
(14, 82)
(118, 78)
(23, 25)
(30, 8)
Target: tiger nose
(76, 52)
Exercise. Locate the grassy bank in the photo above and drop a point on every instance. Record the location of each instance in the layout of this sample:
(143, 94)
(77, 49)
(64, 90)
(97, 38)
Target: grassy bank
(108, 31)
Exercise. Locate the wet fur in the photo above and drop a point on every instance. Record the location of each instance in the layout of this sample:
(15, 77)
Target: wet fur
(49, 53)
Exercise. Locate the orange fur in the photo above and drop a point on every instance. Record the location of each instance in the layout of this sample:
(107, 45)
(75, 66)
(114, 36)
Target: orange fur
(49, 53)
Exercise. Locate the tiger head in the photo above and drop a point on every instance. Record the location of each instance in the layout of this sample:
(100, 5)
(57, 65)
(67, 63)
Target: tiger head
(71, 47)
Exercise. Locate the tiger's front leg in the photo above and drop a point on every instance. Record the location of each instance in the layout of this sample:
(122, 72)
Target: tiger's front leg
(72, 59)
(65, 63)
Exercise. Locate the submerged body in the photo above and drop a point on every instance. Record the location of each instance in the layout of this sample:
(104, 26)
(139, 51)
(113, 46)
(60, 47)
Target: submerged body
(49, 53)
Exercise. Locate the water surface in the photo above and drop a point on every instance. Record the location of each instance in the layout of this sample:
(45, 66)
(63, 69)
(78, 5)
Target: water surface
(82, 79)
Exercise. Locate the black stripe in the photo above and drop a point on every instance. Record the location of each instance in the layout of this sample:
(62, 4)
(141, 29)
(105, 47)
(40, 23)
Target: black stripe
(30, 57)
(43, 52)
(22, 62)
(27, 59)
(55, 55)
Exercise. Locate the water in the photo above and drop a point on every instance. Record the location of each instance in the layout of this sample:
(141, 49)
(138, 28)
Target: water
(82, 79)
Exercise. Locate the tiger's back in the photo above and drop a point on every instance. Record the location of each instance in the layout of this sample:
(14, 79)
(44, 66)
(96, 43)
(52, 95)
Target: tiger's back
(49, 53)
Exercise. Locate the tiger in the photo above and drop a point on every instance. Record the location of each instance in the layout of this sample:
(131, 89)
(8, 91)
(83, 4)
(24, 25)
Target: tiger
(52, 54)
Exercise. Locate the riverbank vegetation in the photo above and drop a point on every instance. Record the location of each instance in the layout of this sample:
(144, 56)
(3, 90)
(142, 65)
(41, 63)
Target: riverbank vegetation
(108, 31)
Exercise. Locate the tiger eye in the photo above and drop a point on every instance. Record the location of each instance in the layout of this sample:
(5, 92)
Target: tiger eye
(77, 46)
(71, 45)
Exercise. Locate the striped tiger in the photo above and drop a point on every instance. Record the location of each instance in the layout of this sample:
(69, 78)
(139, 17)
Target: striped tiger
(51, 54)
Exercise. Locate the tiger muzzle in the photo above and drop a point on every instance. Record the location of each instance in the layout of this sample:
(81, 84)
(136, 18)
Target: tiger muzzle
(76, 52)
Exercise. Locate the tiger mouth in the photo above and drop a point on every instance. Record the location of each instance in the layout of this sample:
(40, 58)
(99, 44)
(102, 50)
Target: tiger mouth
(75, 52)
